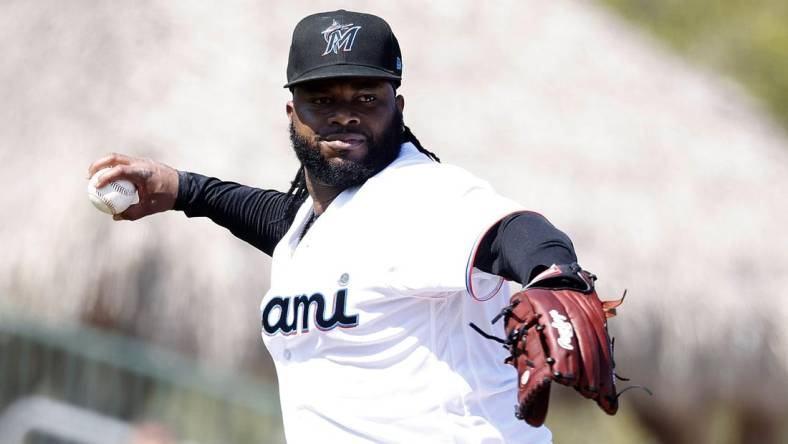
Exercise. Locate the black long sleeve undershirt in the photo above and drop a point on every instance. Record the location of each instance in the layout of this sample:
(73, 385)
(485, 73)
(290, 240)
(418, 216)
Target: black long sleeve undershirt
(523, 245)
(257, 216)
(517, 248)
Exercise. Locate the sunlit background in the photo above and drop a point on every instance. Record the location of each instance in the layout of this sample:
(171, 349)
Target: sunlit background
(652, 132)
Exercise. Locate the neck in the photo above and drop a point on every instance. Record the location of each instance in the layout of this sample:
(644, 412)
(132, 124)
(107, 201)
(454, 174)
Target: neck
(322, 195)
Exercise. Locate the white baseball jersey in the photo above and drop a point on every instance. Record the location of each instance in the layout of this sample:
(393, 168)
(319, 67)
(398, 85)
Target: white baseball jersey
(367, 316)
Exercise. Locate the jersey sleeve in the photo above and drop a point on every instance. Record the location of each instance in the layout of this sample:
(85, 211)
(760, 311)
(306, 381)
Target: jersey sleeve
(257, 216)
(449, 218)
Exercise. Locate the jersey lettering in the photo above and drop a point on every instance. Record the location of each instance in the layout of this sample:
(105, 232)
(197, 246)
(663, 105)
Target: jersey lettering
(277, 315)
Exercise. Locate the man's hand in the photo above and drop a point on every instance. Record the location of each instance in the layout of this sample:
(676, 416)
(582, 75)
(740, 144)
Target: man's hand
(556, 331)
(157, 183)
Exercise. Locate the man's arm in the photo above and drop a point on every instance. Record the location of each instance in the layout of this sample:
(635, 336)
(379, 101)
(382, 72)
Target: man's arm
(523, 245)
(556, 327)
(259, 217)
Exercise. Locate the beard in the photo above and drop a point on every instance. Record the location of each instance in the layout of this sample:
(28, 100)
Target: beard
(381, 151)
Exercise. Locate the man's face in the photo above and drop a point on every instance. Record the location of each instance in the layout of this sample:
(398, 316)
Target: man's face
(345, 130)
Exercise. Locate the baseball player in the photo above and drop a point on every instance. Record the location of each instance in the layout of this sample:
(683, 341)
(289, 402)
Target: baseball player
(388, 266)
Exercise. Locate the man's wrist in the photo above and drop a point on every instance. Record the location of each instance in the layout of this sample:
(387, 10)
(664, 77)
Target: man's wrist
(182, 194)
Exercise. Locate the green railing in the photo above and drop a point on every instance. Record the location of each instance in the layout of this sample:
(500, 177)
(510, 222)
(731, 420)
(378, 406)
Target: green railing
(135, 382)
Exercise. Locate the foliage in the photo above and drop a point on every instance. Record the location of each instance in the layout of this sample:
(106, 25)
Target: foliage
(746, 39)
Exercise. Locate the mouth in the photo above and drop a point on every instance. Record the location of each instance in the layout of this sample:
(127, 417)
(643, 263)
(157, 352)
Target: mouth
(344, 141)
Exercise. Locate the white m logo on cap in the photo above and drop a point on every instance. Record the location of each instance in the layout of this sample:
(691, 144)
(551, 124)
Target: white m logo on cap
(339, 37)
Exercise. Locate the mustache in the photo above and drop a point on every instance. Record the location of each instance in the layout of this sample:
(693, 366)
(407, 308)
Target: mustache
(322, 137)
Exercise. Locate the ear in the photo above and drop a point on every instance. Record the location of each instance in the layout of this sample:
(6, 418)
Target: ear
(400, 101)
(289, 109)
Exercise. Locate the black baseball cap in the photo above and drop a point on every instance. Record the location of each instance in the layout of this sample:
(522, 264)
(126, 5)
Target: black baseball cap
(343, 44)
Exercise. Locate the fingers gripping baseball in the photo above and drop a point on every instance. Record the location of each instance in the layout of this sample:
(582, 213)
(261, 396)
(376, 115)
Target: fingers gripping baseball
(156, 183)
(107, 161)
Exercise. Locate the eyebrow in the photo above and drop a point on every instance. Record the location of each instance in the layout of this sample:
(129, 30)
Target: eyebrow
(357, 84)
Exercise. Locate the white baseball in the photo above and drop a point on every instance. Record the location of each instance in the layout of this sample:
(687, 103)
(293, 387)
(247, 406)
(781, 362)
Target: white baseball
(114, 197)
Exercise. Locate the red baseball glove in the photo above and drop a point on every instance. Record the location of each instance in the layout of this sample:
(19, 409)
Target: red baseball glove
(557, 331)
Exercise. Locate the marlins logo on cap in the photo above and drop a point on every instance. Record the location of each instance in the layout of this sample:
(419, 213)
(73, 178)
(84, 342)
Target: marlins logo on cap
(339, 36)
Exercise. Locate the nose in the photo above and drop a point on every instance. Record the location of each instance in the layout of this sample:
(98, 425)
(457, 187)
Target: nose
(343, 116)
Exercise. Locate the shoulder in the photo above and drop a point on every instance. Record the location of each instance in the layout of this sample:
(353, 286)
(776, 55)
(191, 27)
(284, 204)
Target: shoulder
(413, 170)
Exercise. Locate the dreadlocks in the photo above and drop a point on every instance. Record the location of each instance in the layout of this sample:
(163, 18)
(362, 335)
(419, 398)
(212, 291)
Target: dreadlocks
(297, 192)
(407, 136)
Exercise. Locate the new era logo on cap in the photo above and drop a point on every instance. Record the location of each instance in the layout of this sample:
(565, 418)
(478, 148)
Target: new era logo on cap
(343, 44)
(339, 36)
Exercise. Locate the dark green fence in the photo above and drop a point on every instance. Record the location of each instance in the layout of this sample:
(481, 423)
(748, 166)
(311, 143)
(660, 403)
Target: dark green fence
(132, 381)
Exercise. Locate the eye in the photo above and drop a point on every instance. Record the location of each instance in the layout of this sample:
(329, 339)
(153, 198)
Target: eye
(321, 101)
(366, 98)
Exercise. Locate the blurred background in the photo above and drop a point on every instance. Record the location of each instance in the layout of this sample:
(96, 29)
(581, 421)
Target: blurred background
(652, 132)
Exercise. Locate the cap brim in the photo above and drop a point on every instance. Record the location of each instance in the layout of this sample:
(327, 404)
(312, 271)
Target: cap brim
(335, 71)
